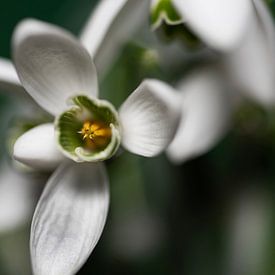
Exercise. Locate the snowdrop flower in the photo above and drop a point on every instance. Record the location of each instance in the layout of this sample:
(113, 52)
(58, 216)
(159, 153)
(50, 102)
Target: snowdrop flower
(103, 36)
(57, 71)
(209, 96)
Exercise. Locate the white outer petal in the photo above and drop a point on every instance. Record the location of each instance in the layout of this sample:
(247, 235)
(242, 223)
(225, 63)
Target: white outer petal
(252, 65)
(206, 109)
(52, 65)
(149, 118)
(17, 198)
(220, 23)
(9, 80)
(69, 218)
(38, 149)
(112, 23)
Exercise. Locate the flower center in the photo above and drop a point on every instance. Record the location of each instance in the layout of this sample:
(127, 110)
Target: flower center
(89, 130)
(96, 134)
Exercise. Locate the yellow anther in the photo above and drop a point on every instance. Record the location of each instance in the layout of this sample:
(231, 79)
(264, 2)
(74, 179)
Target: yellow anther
(96, 134)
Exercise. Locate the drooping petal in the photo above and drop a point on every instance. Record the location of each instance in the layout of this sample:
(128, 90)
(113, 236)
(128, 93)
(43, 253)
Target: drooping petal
(149, 118)
(38, 148)
(206, 109)
(110, 26)
(52, 65)
(69, 218)
(17, 198)
(220, 23)
(252, 65)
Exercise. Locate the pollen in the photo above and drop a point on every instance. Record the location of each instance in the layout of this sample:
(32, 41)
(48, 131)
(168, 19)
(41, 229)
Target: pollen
(95, 134)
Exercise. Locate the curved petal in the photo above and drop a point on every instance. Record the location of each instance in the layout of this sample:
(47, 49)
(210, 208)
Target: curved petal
(206, 109)
(252, 66)
(52, 65)
(69, 218)
(38, 148)
(110, 26)
(149, 118)
(17, 198)
(220, 23)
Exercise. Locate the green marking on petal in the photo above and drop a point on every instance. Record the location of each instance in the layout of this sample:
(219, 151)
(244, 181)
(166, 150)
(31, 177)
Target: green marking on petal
(89, 131)
(164, 10)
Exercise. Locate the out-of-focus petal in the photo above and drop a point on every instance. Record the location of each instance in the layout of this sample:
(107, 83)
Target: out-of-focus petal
(17, 198)
(110, 26)
(220, 23)
(10, 85)
(149, 118)
(206, 109)
(250, 225)
(38, 149)
(252, 65)
(52, 65)
(69, 218)
(9, 81)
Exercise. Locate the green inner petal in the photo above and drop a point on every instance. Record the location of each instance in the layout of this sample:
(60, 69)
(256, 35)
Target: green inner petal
(164, 10)
(89, 131)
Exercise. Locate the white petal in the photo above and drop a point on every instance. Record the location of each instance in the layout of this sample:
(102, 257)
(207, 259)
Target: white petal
(110, 25)
(69, 218)
(220, 23)
(9, 81)
(206, 109)
(252, 65)
(149, 118)
(52, 65)
(38, 148)
(17, 198)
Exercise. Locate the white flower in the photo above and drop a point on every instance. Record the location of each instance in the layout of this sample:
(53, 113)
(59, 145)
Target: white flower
(103, 38)
(55, 69)
(210, 95)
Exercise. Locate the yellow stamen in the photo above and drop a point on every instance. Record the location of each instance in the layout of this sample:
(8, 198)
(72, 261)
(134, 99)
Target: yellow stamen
(96, 134)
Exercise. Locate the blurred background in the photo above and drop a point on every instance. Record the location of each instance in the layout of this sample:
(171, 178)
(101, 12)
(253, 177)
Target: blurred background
(213, 214)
